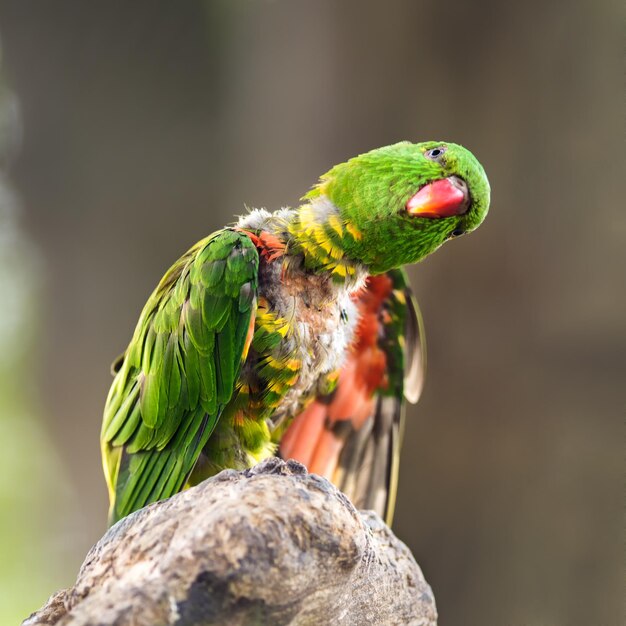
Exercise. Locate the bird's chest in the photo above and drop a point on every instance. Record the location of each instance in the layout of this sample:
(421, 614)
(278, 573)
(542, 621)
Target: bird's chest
(305, 324)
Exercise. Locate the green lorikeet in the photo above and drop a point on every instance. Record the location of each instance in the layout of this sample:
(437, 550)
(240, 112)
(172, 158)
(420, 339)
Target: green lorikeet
(293, 333)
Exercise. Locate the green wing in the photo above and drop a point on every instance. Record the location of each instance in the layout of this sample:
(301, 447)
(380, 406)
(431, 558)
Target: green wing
(179, 371)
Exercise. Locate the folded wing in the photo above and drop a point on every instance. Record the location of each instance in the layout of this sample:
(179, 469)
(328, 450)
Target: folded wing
(179, 372)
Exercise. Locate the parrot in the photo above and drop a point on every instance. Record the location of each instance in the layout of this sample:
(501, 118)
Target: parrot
(291, 334)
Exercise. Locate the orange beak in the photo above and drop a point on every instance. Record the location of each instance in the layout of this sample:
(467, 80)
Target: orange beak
(441, 198)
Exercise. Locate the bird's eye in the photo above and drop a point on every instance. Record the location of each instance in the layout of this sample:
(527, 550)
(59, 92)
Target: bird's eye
(435, 153)
(457, 232)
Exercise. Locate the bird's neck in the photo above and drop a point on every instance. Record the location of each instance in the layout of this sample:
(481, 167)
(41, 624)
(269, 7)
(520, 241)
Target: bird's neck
(314, 235)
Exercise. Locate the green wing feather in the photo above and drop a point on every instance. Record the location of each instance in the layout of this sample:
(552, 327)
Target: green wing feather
(179, 371)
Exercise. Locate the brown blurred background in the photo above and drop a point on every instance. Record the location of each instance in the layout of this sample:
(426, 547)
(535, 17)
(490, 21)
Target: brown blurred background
(131, 130)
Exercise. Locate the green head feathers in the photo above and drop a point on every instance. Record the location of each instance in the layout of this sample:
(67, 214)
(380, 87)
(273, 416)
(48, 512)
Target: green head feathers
(403, 201)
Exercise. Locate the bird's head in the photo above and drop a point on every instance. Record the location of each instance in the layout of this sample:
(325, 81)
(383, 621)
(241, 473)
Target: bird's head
(401, 202)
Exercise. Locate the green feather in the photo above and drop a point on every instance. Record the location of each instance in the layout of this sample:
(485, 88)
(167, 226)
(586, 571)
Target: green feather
(121, 414)
(133, 419)
(208, 389)
(192, 371)
(215, 311)
(212, 273)
(246, 297)
(225, 362)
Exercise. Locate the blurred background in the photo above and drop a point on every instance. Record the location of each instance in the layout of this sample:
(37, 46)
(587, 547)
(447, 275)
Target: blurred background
(130, 130)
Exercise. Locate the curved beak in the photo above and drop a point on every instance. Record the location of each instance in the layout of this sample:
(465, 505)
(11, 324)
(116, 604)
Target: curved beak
(441, 198)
